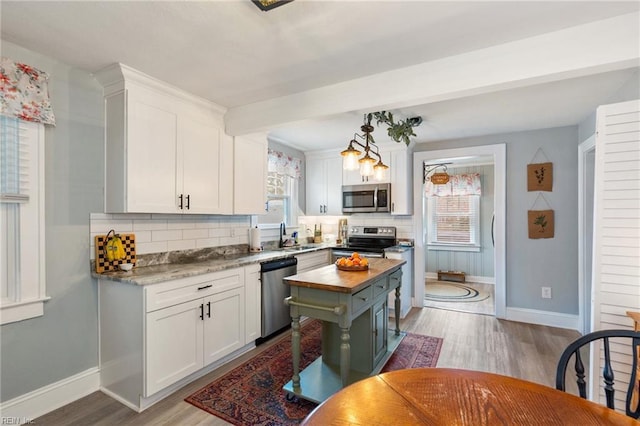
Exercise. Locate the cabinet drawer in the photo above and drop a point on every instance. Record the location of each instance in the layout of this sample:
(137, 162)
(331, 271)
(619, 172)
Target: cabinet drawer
(361, 300)
(183, 290)
(395, 279)
(380, 287)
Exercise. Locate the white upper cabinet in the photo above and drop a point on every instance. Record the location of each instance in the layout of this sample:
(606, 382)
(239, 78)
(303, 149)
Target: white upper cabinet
(324, 184)
(401, 169)
(250, 175)
(166, 151)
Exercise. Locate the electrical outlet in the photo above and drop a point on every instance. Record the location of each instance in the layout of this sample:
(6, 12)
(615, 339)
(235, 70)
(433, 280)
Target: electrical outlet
(546, 292)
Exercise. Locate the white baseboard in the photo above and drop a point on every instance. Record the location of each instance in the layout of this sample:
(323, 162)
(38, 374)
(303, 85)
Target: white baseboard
(551, 319)
(24, 408)
(469, 278)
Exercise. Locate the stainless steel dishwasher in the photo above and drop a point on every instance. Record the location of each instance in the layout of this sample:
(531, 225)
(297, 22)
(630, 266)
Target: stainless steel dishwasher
(275, 314)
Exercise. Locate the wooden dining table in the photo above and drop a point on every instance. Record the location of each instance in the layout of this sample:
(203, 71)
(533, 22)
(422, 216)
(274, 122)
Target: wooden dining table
(444, 396)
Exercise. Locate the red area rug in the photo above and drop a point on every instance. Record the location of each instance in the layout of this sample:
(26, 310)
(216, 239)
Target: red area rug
(251, 394)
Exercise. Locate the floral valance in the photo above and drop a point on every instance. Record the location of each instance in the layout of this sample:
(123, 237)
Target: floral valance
(283, 164)
(24, 92)
(465, 184)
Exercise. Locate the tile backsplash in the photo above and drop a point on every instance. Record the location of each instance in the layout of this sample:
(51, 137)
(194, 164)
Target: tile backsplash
(403, 224)
(159, 233)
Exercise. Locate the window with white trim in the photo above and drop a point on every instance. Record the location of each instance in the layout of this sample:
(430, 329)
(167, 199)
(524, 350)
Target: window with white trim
(22, 272)
(282, 191)
(454, 223)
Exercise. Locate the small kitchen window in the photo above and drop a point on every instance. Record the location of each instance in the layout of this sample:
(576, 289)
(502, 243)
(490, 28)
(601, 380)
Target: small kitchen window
(282, 193)
(453, 211)
(283, 175)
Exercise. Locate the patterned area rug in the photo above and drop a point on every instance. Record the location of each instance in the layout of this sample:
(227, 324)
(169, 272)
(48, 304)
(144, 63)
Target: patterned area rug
(251, 394)
(446, 292)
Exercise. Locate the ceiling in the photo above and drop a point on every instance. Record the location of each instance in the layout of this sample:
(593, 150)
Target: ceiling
(235, 55)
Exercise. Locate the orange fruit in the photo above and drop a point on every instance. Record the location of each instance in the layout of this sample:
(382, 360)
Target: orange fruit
(355, 255)
(356, 261)
(364, 261)
(349, 263)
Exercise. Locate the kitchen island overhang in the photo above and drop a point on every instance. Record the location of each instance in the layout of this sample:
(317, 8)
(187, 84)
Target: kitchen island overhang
(352, 306)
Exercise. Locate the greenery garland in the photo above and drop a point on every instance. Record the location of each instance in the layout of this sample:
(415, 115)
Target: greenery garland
(399, 131)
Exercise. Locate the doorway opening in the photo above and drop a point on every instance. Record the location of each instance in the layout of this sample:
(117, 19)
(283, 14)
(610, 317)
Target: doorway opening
(459, 246)
(428, 255)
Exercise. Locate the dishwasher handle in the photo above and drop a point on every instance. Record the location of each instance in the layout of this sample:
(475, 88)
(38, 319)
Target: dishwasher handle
(278, 264)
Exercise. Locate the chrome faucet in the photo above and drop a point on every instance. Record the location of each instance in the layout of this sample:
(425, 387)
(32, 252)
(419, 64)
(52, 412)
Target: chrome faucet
(283, 232)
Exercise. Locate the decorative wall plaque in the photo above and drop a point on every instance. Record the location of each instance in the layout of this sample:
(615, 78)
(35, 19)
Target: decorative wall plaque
(540, 177)
(541, 224)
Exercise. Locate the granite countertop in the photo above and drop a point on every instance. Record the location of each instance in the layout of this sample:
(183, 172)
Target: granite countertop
(153, 274)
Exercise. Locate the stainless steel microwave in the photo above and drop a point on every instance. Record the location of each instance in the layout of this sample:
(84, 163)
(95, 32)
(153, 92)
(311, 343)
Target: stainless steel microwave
(370, 198)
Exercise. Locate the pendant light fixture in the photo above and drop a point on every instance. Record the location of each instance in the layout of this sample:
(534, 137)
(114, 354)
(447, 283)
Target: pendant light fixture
(368, 165)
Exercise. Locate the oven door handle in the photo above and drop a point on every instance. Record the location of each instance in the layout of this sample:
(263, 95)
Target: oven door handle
(373, 255)
(375, 198)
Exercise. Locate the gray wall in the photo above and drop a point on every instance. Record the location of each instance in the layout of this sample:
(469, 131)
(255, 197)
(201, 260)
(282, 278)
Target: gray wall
(479, 264)
(63, 342)
(629, 91)
(532, 264)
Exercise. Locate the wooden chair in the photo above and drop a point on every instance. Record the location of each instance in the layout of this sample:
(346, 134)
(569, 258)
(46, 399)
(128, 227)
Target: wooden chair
(632, 409)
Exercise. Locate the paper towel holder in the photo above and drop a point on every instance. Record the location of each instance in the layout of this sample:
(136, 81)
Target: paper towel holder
(254, 234)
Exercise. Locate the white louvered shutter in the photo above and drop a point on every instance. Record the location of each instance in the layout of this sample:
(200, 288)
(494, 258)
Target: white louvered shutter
(616, 251)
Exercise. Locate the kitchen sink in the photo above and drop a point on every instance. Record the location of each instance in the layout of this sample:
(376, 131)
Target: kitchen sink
(298, 248)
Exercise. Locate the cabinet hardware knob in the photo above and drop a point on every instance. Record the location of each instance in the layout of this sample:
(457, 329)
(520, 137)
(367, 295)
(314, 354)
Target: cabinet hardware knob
(188, 202)
(180, 205)
(209, 309)
(205, 286)
(202, 312)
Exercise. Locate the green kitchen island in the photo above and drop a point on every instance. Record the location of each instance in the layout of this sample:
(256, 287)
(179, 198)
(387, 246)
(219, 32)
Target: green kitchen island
(352, 306)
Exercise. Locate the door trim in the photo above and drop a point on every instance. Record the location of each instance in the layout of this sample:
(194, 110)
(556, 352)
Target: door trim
(498, 151)
(584, 300)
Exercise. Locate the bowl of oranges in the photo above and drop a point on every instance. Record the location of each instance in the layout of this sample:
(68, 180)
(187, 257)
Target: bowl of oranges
(353, 263)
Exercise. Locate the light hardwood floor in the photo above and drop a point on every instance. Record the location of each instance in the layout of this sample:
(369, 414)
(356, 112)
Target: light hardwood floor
(475, 342)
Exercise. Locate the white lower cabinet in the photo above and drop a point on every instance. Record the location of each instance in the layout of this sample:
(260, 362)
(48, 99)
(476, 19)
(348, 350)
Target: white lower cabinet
(174, 345)
(223, 324)
(313, 260)
(156, 336)
(253, 305)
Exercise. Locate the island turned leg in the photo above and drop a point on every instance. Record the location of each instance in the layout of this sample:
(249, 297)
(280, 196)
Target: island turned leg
(345, 355)
(397, 307)
(295, 352)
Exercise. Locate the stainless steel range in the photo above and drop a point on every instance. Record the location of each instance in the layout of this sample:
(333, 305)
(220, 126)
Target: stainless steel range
(369, 240)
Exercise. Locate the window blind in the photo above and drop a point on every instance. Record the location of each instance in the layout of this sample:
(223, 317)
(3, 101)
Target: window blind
(455, 220)
(14, 161)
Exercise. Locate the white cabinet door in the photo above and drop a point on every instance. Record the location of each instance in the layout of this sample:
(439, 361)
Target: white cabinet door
(324, 186)
(150, 152)
(401, 183)
(224, 330)
(200, 151)
(253, 298)
(316, 186)
(333, 204)
(173, 344)
(249, 175)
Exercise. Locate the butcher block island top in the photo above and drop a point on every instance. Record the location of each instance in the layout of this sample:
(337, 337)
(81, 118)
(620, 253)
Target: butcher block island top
(330, 278)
